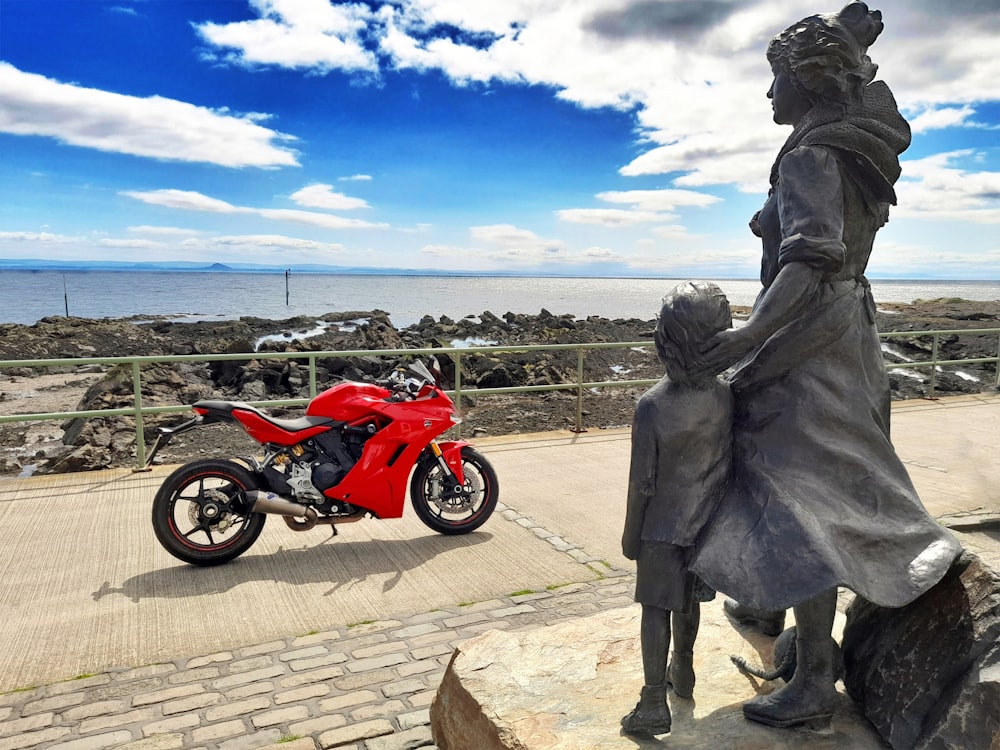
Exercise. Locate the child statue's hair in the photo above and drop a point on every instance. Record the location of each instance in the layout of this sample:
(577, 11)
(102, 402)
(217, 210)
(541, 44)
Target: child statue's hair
(691, 314)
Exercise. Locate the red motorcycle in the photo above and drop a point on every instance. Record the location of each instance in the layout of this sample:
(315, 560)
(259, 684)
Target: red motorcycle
(348, 457)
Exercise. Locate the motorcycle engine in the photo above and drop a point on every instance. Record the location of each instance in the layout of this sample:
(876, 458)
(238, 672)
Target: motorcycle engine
(316, 465)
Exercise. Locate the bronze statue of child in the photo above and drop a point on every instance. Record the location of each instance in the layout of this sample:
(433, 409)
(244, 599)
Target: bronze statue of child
(681, 457)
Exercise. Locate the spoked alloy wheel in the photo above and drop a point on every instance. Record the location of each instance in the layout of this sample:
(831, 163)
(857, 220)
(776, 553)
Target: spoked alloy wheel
(448, 512)
(199, 512)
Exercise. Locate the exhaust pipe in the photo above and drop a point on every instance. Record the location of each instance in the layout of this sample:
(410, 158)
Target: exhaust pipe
(269, 502)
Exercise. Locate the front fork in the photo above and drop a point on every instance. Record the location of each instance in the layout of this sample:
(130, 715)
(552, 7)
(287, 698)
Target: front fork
(449, 458)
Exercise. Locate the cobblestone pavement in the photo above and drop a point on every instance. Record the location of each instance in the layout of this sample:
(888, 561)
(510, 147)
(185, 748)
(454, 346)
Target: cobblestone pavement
(365, 686)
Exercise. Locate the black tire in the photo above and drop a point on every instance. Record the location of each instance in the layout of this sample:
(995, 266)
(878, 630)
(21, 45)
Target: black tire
(180, 505)
(461, 513)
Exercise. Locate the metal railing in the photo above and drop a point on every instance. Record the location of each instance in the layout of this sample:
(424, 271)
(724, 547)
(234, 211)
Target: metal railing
(138, 411)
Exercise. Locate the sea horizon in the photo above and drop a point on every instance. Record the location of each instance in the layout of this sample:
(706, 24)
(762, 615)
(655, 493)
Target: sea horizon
(85, 266)
(225, 293)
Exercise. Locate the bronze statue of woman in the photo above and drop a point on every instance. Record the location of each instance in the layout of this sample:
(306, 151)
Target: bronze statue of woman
(819, 498)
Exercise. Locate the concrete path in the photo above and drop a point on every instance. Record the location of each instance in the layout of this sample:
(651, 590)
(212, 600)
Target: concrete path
(107, 641)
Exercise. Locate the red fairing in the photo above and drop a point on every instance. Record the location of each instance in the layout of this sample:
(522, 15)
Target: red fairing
(264, 432)
(452, 452)
(348, 401)
(378, 481)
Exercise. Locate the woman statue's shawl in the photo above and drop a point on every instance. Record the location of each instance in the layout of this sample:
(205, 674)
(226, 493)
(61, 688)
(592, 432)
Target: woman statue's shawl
(818, 496)
(870, 136)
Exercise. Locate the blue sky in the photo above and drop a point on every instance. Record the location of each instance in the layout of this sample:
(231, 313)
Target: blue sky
(604, 137)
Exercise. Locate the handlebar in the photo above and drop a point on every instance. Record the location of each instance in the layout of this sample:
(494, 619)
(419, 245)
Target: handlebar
(402, 389)
(408, 388)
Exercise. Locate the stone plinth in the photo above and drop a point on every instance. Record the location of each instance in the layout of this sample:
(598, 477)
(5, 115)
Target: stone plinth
(928, 675)
(566, 687)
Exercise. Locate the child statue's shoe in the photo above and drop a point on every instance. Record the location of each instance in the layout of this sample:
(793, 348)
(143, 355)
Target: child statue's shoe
(680, 674)
(651, 716)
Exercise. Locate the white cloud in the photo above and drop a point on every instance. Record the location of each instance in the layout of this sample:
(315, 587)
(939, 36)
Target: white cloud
(512, 247)
(646, 207)
(611, 217)
(46, 238)
(132, 244)
(917, 260)
(601, 255)
(257, 242)
(695, 73)
(188, 200)
(145, 229)
(934, 188)
(511, 236)
(944, 117)
(659, 200)
(328, 221)
(185, 200)
(323, 196)
(673, 232)
(421, 228)
(356, 178)
(309, 34)
(154, 126)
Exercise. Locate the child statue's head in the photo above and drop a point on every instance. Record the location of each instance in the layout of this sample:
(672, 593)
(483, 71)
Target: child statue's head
(692, 313)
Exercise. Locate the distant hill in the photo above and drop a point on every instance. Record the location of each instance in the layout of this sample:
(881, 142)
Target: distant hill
(34, 264)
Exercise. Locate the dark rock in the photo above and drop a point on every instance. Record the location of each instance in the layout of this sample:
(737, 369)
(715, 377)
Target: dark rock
(84, 458)
(928, 675)
(250, 378)
(501, 376)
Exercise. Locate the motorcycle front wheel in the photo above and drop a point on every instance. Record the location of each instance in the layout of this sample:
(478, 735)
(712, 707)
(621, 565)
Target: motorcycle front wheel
(448, 512)
(200, 515)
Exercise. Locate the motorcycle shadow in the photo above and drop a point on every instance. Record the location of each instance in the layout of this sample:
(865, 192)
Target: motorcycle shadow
(344, 564)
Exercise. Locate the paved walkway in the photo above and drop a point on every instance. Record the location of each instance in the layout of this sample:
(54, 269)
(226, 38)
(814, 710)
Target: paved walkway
(223, 658)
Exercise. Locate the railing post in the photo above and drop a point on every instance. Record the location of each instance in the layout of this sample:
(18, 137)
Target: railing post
(458, 388)
(998, 362)
(140, 431)
(312, 376)
(934, 359)
(579, 390)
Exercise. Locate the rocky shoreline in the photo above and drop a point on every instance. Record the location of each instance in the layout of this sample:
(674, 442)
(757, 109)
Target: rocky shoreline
(83, 444)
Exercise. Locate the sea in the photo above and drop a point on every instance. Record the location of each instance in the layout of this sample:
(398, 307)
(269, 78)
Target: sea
(28, 296)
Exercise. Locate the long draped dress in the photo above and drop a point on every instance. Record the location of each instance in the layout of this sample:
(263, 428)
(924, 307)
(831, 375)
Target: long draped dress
(818, 496)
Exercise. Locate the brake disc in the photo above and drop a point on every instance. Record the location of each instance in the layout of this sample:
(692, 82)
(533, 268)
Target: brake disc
(457, 503)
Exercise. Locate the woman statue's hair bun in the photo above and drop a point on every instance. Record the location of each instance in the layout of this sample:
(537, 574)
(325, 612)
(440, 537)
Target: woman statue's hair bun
(865, 25)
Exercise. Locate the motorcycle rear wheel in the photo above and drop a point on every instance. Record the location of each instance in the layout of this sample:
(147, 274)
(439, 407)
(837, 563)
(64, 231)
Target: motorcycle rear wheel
(199, 513)
(462, 513)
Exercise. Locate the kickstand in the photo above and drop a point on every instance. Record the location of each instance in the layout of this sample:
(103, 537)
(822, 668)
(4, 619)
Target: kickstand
(333, 530)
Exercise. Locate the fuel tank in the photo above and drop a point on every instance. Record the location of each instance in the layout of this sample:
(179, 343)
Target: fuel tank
(347, 401)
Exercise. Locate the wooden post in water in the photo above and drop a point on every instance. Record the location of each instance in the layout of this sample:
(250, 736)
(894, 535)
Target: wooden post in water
(288, 272)
(65, 296)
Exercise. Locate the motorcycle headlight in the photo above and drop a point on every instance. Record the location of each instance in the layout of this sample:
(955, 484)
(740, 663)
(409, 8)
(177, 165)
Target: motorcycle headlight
(455, 419)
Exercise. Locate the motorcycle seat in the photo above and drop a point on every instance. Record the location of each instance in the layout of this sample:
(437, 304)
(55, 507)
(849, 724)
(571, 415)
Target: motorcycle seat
(226, 408)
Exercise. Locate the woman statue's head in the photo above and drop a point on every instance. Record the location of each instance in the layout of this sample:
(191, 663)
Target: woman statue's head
(691, 314)
(825, 56)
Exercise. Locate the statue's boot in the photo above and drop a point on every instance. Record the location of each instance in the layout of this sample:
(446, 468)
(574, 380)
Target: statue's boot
(768, 621)
(808, 699)
(680, 672)
(651, 715)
